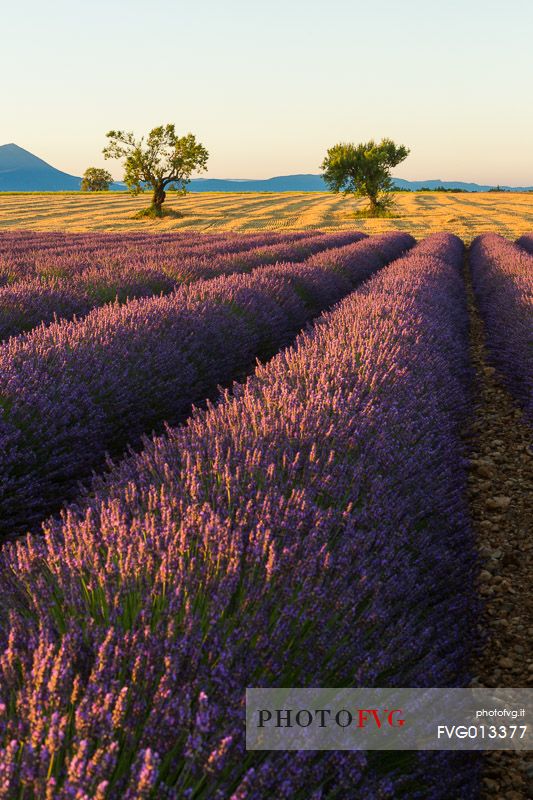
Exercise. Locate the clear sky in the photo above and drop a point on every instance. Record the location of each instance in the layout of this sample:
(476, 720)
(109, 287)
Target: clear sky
(269, 86)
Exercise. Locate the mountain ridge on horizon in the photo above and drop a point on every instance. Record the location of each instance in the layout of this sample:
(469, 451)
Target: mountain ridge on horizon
(21, 170)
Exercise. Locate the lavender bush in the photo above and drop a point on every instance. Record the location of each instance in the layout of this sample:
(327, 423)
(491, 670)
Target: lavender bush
(65, 292)
(526, 242)
(72, 391)
(502, 275)
(26, 254)
(309, 530)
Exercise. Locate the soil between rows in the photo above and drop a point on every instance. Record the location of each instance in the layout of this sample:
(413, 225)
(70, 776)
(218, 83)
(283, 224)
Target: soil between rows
(500, 495)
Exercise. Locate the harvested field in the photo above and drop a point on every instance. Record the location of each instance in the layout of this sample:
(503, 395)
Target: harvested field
(419, 214)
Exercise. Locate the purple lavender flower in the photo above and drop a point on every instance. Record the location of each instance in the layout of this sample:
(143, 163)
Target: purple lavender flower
(75, 390)
(502, 275)
(310, 529)
(43, 284)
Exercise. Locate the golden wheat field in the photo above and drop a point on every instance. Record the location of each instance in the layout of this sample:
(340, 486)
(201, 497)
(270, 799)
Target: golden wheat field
(418, 213)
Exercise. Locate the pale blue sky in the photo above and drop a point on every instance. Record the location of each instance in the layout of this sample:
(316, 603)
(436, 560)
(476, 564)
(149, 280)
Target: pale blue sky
(269, 86)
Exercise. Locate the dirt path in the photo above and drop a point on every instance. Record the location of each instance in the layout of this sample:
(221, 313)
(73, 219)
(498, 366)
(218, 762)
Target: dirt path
(501, 502)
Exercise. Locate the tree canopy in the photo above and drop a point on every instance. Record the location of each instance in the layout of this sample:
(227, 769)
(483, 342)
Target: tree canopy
(96, 179)
(364, 170)
(163, 160)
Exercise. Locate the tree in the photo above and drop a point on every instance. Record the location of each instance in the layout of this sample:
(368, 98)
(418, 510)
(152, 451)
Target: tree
(163, 161)
(364, 170)
(96, 180)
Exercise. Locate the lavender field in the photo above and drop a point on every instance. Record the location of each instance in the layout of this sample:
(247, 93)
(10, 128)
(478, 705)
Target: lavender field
(240, 460)
(503, 282)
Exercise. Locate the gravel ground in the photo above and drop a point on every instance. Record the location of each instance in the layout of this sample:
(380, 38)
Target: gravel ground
(501, 501)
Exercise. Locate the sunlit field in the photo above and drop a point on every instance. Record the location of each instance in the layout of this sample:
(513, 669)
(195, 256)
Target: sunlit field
(420, 214)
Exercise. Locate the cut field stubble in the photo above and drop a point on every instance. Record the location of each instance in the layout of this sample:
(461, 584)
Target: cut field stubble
(420, 214)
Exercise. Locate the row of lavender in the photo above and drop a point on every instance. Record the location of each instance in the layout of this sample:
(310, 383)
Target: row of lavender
(502, 275)
(310, 530)
(526, 242)
(73, 391)
(142, 273)
(25, 254)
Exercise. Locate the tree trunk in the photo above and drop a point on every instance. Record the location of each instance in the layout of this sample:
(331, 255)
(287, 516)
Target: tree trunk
(374, 205)
(158, 199)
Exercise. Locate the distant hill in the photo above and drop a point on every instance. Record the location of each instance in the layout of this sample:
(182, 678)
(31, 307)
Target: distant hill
(282, 183)
(315, 183)
(21, 171)
(468, 187)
